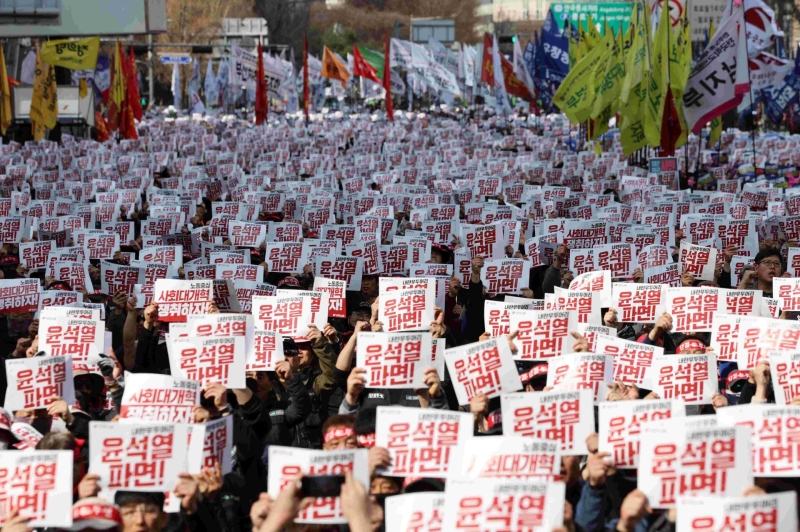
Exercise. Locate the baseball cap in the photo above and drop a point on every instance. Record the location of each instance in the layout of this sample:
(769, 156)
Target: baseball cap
(736, 380)
(539, 370)
(289, 283)
(95, 513)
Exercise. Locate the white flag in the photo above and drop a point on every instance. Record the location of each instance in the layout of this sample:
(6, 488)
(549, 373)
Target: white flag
(520, 70)
(176, 85)
(210, 86)
(193, 88)
(502, 106)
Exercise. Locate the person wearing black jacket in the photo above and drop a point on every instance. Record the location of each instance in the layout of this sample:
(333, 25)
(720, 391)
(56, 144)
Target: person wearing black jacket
(475, 304)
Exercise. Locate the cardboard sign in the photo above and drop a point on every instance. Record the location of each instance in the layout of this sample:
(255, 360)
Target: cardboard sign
(285, 463)
(218, 444)
(581, 371)
(618, 259)
(82, 339)
(137, 457)
(638, 303)
(394, 360)
(772, 430)
(19, 295)
(422, 442)
(159, 398)
(591, 333)
(742, 302)
(787, 292)
(33, 255)
(209, 360)
(760, 336)
(497, 316)
(265, 352)
(170, 255)
(725, 336)
(598, 281)
(74, 273)
(585, 305)
(415, 511)
(336, 295)
(692, 378)
(676, 460)
(541, 334)
(512, 457)
(288, 316)
(692, 309)
(33, 381)
(632, 360)
(348, 269)
(245, 234)
(284, 257)
(505, 276)
(620, 422)
(565, 417)
(785, 372)
(98, 244)
(407, 309)
(58, 298)
(487, 504)
(115, 278)
(776, 511)
(179, 299)
(39, 485)
(700, 261)
(485, 241)
(483, 367)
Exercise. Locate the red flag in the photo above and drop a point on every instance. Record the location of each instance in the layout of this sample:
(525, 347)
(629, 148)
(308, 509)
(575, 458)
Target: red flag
(116, 98)
(513, 84)
(305, 76)
(487, 65)
(262, 98)
(101, 127)
(133, 86)
(670, 126)
(362, 68)
(387, 78)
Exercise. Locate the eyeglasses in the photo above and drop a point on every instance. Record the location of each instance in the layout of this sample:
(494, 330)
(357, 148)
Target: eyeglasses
(146, 509)
(770, 263)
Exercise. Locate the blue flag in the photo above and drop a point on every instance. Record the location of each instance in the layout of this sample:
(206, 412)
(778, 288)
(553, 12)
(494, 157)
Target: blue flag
(778, 98)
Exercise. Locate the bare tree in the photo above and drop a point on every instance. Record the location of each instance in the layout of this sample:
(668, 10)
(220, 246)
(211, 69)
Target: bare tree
(287, 21)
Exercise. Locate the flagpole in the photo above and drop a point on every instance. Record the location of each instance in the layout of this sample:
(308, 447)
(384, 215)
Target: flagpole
(750, 93)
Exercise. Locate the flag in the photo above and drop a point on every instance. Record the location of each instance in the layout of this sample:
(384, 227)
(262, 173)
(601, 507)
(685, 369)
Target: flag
(222, 82)
(576, 95)
(127, 126)
(262, 97)
(387, 78)
(176, 86)
(373, 59)
(487, 68)
(116, 98)
(762, 24)
(5, 95)
(305, 76)
(362, 68)
(633, 93)
(102, 78)
(593, 37)
(719, 80)
(501, 106)
(521, 72)
(291, 104)
(332, 68)
(513, 85)
(609, 84)
(44, 103)
(78, 54)
(659, 72)
(28, 70)
(680, 65)
(767, 70)
(210, 85)
(133, 86)
(101, 127)
(193, 89)
(716, 123)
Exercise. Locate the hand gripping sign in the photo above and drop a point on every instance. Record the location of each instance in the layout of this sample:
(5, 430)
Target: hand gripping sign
(581, 371)
(179, 299)
(394, 360)
(32, 382)
(209, 359)
(159, 398)
(39, 485)
(483, 367)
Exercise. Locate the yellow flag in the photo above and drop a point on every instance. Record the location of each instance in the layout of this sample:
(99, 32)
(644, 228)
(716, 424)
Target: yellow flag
(636, 66)
(83, 88)
(44, 103)
(591, 31)
(680, 66)
(573, 48)
(632, 136)
(576, 95)
(659, 72)
(332, 68)
(716, 124)
(78, 54)
(598, 149)
(608, 84)
(5, 95)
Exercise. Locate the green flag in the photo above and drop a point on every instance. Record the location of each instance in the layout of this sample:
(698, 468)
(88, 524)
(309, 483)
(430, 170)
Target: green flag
(659, 77)
(375, 59)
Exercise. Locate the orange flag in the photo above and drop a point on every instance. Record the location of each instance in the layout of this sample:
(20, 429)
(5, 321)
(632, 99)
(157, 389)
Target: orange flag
(332, 68)
(116, 97)
(101, 127)
(133, 86)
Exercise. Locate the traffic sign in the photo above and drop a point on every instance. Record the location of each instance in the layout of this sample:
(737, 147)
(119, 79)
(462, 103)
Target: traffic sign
(176, 59)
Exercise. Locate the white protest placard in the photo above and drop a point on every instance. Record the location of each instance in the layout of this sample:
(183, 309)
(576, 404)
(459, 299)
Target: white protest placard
(725, 335)
(742, 302)
(484, 367)
(787, 292)
(221, 325)
(619, 424)
(394, 360)
(505, 276)
(672, 455)
(738, 233)
(597, 281)
(581, 371)
(236, 272)
(692, 378)
(692, 309)
(760, 336)
(246, 234)
(19, 295)
(285, 463)
(776, 511)
(209, 360)
(115, 278)
(585, 305)
(565, 417)
(33, 255)
(415, 451)
(497, 316)
(288, 316)
(407, 309)
(348, 269)
(485, 504)
(245, 290)
(58, 298)
(668, 274)
(784, 370)
(422, 511)
(508, 457)
(591, 333)
(159, 398)
(618, 259)
(265, 352)
(178, 299)
(137, 457)
(772, 430)
(700, 261)
(485, 241)
(169, 255)
(336, 295)
(98, 244)
(74, 273)
(284, 257)
(39, 485)
(319, 302)
(632, 360)
(32, 382)
(541, 334)
(82, 339)
(638, 303)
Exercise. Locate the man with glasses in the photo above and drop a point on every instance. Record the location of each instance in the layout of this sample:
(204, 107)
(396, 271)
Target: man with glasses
(768, 264)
